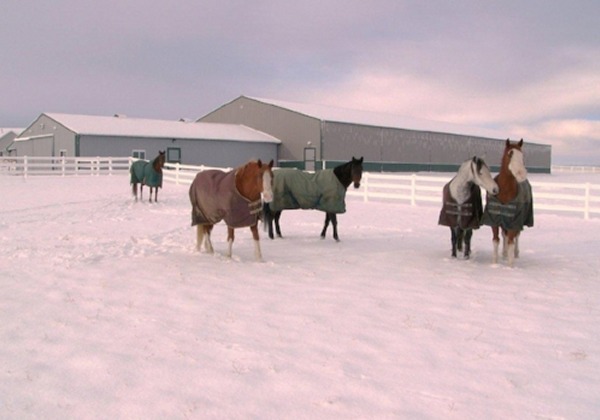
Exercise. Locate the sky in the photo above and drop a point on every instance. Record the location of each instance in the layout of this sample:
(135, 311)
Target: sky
(529, 69)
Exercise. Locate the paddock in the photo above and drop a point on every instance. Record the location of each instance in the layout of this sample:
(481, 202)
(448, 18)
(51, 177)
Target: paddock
(119, 313)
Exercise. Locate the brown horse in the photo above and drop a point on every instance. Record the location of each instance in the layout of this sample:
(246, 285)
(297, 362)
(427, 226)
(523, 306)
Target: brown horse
(147, 173)
(233, 196)
(512, 208)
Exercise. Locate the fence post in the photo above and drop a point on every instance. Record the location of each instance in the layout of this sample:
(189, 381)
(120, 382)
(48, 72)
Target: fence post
(365, 185)
(25, 164)
(586, 204)
(413, 190)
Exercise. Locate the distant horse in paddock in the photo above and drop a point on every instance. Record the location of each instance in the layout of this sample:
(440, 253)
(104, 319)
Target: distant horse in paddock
(322, 190)
(461, 207)
(233, 196)
(147, 173)
(512, 208)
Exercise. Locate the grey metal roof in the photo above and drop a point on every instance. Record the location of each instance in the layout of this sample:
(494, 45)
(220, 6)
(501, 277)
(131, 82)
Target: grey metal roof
(353, 116)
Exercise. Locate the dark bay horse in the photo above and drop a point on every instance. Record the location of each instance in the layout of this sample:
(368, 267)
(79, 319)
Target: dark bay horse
(147, 173)
(462, 207)
(323, 190)
(512, 208)
(233, 196)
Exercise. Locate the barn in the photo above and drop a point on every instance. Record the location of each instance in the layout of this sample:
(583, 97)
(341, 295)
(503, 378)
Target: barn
(315, 136)
(7, 137)
(211, 144)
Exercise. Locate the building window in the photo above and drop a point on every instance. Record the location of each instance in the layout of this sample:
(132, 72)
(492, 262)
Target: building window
(62, 152)
(138, 154)
(174, 154)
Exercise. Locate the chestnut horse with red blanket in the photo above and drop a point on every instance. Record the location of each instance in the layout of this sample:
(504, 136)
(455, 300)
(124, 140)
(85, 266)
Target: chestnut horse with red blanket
(233, 196)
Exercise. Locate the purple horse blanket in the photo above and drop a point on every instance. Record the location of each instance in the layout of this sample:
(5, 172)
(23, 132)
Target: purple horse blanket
(214, 197)
(466, 215)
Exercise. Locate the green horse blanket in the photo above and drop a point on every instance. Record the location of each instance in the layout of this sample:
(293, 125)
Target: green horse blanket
(295, 189)
(143, 172)
(513, 215)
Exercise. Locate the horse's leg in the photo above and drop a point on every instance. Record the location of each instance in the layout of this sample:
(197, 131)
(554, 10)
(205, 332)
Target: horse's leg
(150, 198)
(268, 219)
(325, 226)
(333, 218)
(517, 236)
(156, 194)
(496, 242)
(276, 218)
(460, 234)
(230, 239)
(453, 239)
(141, 191)
(199, 236)
(207, 242)
(257, 252)
(511, 234)
(134, 190)
(468, 235)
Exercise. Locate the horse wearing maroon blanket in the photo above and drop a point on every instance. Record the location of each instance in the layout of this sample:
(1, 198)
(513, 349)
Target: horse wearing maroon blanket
(462, 208)
(234, 197)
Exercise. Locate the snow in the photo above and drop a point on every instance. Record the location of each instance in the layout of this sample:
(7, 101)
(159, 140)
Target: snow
(107, 311)
(142, 127)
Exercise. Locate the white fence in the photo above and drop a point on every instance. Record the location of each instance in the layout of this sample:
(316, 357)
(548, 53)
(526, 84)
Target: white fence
(554, 197)
(582, 199)
(62, 166)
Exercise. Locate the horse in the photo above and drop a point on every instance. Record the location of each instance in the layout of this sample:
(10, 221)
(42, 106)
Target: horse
(461, 204)
(512, 208)
(146, 173)
(233, 196)
(323, 190)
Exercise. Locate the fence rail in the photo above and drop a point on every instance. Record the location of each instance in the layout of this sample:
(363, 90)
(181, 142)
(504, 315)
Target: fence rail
(581, 199)
(62, 166)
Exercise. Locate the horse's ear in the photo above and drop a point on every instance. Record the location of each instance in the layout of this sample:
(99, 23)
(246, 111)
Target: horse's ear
(474, 159)
(271, 163)
(259, 163)
(520, 143)
(507, 142)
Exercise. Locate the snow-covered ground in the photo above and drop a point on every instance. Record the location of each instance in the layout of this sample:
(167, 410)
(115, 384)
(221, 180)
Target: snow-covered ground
(107, 311)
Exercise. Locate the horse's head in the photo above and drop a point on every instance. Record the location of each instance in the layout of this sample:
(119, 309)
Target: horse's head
(356, 171)
(256, 178)
(513, 160)
(482, 175)
(159, 161)
(267, 180)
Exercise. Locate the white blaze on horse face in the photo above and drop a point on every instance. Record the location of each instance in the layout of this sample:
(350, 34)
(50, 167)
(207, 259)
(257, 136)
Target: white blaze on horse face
(267, 190)
(517, 166)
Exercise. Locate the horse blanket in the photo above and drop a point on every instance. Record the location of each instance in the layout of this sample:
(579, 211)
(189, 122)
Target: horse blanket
(466, 215)
(214, 197)
(513, 215)
(143, 172)
(294, 189)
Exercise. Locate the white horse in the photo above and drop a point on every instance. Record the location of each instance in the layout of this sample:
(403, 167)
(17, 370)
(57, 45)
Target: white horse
(462, 208)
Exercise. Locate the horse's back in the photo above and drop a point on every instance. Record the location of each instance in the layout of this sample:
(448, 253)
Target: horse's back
(137, 171)
(466, 215)
(295, 189)
(514, 215)
(152, 177)
(212, 195)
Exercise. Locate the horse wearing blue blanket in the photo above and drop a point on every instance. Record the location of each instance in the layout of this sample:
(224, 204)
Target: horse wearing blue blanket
(147, 173)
